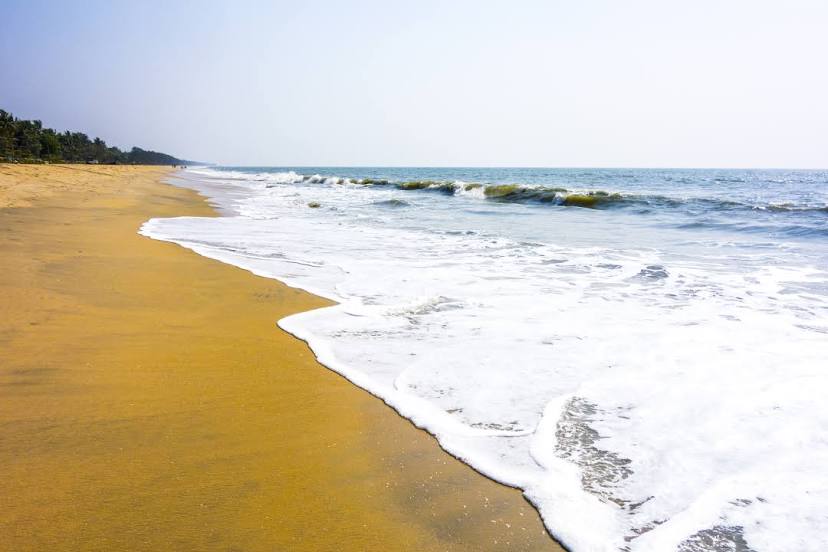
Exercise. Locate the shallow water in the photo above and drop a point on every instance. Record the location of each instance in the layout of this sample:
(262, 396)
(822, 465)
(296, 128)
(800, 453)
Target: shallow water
(641, 351)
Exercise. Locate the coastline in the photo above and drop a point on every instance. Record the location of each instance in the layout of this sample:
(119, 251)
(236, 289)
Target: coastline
(151, 402)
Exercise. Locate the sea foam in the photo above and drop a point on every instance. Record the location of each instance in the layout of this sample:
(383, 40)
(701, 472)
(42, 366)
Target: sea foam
(648, 393)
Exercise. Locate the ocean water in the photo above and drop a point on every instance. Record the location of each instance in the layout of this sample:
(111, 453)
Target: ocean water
(643, 352)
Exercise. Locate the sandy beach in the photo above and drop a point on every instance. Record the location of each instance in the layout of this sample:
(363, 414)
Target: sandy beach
(148, 401)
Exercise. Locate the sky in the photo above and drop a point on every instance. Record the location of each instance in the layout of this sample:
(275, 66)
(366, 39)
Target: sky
(639, 83)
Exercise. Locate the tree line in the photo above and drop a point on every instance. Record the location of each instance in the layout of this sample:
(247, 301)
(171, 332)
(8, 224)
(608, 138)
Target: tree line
(23, 141)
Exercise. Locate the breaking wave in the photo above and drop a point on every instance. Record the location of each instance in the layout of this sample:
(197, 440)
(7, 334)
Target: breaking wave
(531, 193)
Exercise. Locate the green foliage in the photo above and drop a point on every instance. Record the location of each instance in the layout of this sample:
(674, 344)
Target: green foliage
(138, 156)
(28, 142)
(314, 205)
(49, 145)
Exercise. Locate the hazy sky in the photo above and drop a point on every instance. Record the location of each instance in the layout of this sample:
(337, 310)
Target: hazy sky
(525, 83)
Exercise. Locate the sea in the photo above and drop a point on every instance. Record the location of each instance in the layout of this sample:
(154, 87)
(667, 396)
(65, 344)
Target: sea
(644, 352)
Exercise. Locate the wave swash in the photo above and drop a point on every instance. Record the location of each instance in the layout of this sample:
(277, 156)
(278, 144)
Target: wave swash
(648, 363)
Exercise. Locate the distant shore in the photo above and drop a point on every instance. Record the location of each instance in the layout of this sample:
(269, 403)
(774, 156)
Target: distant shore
(149, 402)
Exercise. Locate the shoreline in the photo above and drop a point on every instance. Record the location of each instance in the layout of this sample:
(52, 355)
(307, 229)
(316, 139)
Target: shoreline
(151, 401)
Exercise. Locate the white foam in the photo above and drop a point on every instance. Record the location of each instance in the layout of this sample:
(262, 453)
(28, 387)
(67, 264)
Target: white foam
(642, 399)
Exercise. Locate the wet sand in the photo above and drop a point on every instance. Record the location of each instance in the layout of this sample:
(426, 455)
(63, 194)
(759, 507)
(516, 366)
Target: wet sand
(148, 401)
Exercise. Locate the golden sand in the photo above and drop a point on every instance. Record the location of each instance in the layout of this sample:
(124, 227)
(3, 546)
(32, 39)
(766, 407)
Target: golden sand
(148, 401)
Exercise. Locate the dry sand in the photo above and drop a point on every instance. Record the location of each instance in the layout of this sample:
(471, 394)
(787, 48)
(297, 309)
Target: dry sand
(148, 401)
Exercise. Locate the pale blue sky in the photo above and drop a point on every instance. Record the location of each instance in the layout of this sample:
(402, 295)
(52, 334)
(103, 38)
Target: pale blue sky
(524, 83)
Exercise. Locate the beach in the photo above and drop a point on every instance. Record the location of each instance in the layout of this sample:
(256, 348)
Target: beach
(606, 340)
(148, 400)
